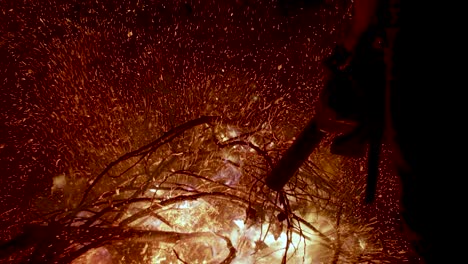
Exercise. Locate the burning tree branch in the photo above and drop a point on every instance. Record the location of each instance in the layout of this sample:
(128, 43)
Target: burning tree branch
(202, 179)
(147, 149)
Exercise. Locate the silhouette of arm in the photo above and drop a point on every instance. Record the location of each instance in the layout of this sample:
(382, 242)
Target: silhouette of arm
(364, 15)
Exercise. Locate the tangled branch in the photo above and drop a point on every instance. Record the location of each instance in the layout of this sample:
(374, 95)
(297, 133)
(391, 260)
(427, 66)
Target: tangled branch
(189, 184)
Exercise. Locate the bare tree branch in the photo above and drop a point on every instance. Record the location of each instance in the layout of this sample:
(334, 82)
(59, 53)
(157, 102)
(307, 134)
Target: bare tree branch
(167, 137)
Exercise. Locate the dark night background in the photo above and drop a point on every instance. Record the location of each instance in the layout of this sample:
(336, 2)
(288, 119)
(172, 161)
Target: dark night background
(84, 81)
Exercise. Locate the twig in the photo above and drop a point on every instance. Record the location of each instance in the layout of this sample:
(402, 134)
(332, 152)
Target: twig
(192, 174)
(177, 256)
(165, 138)
(232, 250)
